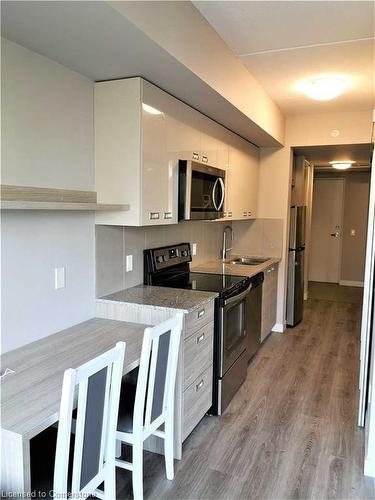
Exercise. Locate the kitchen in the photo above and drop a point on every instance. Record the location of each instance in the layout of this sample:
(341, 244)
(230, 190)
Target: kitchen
(167, 127)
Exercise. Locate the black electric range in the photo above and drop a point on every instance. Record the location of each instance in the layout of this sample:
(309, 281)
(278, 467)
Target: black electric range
(236, 330)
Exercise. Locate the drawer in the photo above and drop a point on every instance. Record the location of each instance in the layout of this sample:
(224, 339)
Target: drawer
(197, 401)
(199, 317)
(198, 353)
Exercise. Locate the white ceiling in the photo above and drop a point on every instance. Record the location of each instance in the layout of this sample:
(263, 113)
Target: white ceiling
(282, 42)
(94, 39)
(322, 155)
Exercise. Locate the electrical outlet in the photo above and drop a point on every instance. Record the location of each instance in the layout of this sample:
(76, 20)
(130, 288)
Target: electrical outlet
(129, 263)
(194, 249)
(59, 277)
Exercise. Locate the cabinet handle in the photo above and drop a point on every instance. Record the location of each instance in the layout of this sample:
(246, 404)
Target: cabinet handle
(195, 156)
(154, 215)
(167, 215)
(229, 214)
(204, 159)
(269, 271)
(201, 313)
(200, 338)
(199, 385)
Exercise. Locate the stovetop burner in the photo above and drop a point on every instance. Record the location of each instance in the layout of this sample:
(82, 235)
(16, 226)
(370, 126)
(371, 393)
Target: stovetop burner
(169, 267)
(204, 282)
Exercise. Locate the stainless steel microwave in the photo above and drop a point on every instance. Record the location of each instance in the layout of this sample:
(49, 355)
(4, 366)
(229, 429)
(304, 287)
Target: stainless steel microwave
(201, 191)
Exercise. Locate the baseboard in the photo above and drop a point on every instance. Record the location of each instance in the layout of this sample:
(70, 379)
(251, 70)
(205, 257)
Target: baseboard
(351, 283)
(279, 328)
(369, 469)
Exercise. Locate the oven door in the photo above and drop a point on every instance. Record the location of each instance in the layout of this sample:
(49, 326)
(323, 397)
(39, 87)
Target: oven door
(232, 330)
(204, 191)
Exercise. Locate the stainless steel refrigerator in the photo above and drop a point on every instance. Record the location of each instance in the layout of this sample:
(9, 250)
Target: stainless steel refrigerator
(296, 257)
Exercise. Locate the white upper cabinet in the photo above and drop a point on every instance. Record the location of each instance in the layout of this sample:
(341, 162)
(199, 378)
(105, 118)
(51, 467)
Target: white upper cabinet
(242, 180)
(140, 134)
(135, 152)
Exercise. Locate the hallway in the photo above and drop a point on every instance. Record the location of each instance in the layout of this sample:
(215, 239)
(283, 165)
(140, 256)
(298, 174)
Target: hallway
(291, 430)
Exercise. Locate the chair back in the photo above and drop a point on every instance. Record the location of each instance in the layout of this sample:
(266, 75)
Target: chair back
(95, 386)
(157, 375)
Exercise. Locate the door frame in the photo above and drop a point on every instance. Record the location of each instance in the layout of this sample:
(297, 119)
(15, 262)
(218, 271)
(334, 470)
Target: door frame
(342, 179)
(367, 302)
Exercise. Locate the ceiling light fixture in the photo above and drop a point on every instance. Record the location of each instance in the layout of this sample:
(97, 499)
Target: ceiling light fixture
(324, 88)
(341, 165)
(150, 109)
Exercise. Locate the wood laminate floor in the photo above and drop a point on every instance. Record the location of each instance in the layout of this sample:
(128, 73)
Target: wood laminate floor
(290, 432)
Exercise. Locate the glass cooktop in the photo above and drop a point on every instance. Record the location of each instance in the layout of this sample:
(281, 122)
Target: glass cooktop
(203, 282)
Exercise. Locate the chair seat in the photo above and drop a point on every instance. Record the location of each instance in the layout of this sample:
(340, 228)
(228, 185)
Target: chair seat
(126, 408)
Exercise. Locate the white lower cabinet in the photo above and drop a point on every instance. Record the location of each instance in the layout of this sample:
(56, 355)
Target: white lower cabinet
(269, 300)
(197, 377)
(193, 392)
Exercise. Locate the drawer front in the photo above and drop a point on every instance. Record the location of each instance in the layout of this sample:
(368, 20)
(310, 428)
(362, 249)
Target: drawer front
(198, 353)
(199, 317)
(197, 400)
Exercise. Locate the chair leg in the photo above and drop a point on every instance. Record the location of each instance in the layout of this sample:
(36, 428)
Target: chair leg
(168, 448)
(110, 484)
(137, 473)
(118, 449)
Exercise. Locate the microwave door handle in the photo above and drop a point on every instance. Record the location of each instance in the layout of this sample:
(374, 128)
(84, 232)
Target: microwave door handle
(222, 185)
(214, 195)
(239, 297)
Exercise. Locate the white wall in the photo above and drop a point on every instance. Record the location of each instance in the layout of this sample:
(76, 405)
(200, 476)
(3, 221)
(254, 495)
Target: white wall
(47, 141)
(276, 168)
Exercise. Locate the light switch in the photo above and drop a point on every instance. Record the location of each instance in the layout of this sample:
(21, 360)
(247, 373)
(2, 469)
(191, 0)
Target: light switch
(352, 232)
(129, 263)
(59, 277)
(194, 249)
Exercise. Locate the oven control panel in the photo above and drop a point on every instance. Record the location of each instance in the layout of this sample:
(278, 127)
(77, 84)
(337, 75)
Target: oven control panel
(164, 257)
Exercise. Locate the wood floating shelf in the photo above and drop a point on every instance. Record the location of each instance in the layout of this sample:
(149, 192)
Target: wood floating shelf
(36, 198)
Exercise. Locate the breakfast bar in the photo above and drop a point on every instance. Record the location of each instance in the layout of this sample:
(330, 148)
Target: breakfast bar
(31, 389)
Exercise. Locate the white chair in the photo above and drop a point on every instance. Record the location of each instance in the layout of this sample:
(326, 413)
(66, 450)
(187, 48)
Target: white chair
(153, 401)
(97, 384)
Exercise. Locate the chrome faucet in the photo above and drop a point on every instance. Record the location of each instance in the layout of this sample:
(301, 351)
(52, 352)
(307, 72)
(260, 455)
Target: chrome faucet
(225, 250)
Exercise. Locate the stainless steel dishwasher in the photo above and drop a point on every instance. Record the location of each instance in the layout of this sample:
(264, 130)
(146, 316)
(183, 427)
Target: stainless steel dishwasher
(254, 315)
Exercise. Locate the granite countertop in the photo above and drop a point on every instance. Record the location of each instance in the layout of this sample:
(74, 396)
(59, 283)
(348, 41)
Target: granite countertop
(218, 267)
(157, 296)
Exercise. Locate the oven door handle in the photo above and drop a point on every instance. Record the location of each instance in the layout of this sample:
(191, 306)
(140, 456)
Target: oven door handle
(238, 297)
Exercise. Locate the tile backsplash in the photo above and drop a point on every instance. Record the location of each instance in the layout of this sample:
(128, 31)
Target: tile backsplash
(263, 237)
(114, 243)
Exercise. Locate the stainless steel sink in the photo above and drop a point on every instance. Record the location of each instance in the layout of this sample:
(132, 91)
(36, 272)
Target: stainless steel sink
(248, 261)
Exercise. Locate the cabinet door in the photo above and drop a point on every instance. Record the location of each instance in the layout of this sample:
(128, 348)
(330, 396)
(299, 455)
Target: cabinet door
(189, 134)
(236, 184)
(159, 157)
(251, 175)
(209, 141)
(269, 301)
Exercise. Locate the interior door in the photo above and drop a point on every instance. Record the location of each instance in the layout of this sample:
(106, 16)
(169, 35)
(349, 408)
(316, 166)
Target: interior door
(326, 230)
